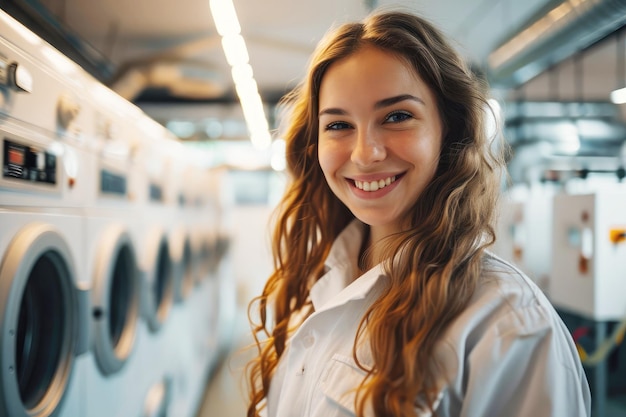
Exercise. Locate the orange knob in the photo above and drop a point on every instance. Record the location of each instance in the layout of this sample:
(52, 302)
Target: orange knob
(617, 235)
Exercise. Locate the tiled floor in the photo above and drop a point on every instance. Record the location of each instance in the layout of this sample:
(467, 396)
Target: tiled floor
(225, 393)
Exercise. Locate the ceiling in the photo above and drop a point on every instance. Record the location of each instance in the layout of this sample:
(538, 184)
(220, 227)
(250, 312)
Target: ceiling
(177, 40)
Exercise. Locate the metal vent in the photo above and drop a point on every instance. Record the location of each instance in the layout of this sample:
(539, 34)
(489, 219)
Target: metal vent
(558, 31)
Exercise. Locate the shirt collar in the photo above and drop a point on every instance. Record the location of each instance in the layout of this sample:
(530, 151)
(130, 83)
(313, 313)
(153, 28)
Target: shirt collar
(337, 286)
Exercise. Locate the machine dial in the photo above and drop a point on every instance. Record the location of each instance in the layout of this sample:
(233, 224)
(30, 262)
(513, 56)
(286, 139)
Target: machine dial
(15, 76)
(67, 110)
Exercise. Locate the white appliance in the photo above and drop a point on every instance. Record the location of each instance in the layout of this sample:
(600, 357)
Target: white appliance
(158, 263)
(589, 250)
(42, 315)
(198, 317)
(185, 368)
(45, 171)
(157, 216)
(178, 168)
(116, 368)
(103, 218)
(524, 230)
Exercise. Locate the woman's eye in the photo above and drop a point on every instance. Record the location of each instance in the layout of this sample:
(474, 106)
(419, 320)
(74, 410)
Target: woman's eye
(337, 126)
(398, 116)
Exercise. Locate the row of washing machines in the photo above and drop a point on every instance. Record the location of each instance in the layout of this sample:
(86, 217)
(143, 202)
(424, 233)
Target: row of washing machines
(115, 292)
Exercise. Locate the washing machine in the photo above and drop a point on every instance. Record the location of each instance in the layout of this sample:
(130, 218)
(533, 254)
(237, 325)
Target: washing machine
(155, 225)
(216, 222)
(215, 320)
(158, 262)
(177, 200)
(113, 251)
(524, 230)
(183, 368)
(589, 249)
(199, 316)
(42, 315)
(45, 171)
(178, 347)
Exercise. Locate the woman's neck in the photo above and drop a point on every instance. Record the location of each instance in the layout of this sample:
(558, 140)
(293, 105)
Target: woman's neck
(371, 252)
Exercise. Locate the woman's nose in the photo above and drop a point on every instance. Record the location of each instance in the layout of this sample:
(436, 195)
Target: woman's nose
(368, 149)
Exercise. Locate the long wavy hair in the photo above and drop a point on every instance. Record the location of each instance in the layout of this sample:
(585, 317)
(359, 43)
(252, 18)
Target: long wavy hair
(442, 242)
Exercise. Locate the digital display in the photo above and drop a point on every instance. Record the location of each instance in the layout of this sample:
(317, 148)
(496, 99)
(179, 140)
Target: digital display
(112, 183)
(16, 156)
(28, 163)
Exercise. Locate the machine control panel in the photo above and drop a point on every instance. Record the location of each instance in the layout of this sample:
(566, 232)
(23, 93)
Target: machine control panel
(113, 183)
(27, 163)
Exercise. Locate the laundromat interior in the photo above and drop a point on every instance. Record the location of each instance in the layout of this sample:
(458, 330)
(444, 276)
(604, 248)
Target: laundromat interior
(143, 160)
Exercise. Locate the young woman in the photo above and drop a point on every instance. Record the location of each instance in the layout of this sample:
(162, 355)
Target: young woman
(384, 300)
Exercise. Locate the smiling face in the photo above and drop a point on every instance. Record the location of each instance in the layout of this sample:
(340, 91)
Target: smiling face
(380, 136)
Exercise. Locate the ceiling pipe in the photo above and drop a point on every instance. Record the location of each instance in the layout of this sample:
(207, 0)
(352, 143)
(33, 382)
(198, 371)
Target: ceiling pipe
(182, 78)
(175, 70)
(556, 32)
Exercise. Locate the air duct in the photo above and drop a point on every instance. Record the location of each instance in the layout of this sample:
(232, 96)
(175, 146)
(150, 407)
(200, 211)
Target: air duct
(556, 32)
(182, 78)
(573, 137)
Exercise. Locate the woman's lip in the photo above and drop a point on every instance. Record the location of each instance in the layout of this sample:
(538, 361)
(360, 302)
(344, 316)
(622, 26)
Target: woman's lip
(375, 177)
(381, 192)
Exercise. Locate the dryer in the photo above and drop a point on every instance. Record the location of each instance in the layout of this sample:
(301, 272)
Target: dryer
(178, 173)
(191, 330)
(112, 264)
(45, 169)
(524, 230)
(589, 249)
(42, 315)
(155, 225)
(156, 261)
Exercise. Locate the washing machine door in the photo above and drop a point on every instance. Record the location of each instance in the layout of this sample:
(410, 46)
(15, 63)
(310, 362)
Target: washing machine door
(41, 325)
(158, 280)
(115, 299)
(183, 267)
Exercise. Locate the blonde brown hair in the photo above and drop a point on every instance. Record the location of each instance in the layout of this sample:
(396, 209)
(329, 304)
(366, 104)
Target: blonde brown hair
(442, 242)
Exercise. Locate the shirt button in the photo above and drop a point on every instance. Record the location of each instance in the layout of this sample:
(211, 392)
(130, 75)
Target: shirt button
(308, 341)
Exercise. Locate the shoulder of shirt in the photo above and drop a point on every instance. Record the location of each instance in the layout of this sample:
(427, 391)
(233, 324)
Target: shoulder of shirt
(504, 281)
(505, 302)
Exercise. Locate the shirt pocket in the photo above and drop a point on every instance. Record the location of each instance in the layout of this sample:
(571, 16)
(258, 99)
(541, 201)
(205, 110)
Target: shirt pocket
(339, 384)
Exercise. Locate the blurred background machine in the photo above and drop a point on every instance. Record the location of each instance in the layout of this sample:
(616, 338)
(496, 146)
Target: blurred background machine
(107, 304)
(562, 222)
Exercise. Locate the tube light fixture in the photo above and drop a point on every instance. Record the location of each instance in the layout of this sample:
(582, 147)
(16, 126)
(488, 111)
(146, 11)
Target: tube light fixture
(235, 50)
(225, 17)
(619, 96)
(234, 45)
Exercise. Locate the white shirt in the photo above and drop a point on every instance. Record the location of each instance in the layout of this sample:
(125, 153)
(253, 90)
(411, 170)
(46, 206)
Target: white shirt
(508, 354)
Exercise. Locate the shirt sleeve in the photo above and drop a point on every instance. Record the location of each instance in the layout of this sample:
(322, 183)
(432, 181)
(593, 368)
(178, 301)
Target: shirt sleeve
(524, 364)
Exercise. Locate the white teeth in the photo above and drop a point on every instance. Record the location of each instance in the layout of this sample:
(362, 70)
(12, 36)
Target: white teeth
(374, 185)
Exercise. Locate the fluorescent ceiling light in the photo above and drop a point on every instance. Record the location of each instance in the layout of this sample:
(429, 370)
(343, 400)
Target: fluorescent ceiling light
(234, 45)
(235, 50)
(225, 17)
(619, 96)
(242, 73)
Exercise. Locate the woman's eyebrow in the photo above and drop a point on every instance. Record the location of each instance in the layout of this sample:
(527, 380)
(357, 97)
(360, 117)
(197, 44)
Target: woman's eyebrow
(396, 99)
(333, 111)
(386, 102)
